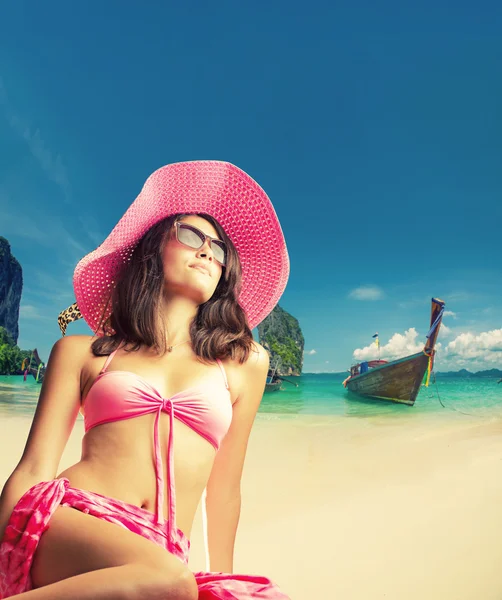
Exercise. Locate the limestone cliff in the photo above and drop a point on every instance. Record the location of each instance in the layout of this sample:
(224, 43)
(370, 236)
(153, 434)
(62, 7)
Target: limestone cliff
(11, 286)
(281, 335)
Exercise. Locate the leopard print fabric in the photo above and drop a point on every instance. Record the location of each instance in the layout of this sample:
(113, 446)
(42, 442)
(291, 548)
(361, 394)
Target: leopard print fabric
(70, 314)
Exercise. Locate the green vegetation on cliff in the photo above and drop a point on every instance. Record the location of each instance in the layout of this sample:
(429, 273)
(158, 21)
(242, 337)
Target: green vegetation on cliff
(281, 335)
(11, 356)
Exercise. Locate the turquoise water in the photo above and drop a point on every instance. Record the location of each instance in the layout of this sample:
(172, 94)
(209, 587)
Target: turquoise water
(323, 394)
(320, 394)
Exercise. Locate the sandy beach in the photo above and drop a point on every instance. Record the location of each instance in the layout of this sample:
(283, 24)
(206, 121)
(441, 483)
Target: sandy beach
(390, 508)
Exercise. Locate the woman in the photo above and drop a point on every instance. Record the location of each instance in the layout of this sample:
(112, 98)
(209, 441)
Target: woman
(196, 261)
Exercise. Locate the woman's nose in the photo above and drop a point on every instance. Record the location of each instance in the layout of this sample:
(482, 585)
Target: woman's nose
(205, 250)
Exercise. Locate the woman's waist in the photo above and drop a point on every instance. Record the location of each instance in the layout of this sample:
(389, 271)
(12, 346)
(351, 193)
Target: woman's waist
(136, 486)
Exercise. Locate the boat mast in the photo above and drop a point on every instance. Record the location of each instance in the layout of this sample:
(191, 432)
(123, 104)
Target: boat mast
(437, 311)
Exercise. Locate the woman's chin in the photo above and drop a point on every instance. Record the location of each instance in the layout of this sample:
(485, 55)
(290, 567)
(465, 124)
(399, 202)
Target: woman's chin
(201, 296)
(198, 293)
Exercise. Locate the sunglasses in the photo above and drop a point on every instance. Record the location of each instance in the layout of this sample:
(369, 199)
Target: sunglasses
(190, 236)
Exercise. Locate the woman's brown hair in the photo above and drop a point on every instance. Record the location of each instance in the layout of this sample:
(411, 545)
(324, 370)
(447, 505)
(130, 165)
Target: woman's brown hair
(219, 329)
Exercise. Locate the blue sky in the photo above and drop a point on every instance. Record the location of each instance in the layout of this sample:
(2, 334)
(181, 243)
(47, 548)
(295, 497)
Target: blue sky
(375, 129)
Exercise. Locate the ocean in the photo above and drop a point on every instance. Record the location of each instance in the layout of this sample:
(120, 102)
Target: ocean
(321, 394)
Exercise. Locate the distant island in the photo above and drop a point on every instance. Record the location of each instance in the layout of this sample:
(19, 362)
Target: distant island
(466, 373)
(462, 373)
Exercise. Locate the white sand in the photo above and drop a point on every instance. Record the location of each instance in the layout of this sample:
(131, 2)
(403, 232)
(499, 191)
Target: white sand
(360, 508)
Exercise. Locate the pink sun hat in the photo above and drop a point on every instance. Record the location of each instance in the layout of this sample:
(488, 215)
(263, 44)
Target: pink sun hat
(216, 188)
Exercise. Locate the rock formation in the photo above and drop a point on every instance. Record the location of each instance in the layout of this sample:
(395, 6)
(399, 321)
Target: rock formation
(281, 335)
(11, 286)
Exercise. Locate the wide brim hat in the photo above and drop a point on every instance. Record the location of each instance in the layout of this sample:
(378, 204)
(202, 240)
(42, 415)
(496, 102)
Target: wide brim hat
(217, 188)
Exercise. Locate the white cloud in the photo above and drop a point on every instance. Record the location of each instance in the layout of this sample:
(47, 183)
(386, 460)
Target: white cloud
(450, 313)
(398, 346)
(472, 351)
(310, 352)
(482, 350)
(366, 293)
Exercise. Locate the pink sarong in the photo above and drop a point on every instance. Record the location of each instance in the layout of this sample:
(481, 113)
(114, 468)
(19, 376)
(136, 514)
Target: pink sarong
(31, 517)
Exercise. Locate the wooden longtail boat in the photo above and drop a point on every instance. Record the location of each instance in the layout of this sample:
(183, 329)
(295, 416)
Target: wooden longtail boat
(398, 380)
(34, 366)
(273, 383)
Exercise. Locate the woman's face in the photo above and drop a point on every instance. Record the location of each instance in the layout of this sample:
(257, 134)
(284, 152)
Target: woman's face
(190, 272)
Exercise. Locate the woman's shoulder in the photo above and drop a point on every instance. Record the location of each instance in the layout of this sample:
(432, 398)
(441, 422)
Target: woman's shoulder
(74, 346)
(75, 341)
(257, 357)
(256, 365)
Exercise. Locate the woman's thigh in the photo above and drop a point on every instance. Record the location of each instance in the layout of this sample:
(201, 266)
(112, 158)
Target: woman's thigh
(77, 543)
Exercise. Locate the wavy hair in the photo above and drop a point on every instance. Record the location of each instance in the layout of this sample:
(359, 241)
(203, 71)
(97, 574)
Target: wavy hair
(219, 329)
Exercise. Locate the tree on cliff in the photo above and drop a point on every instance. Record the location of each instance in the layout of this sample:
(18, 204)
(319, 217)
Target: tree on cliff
(11, 356)
(281, 335)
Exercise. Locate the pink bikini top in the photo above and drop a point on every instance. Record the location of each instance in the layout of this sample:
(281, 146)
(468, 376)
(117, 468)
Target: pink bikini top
(118, 395)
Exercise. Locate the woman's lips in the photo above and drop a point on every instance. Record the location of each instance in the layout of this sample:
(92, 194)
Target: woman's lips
(201, 268)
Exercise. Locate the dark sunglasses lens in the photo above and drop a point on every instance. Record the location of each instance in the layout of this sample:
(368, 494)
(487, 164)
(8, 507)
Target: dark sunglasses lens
(189, 236)
(192, 237)
(219, 251)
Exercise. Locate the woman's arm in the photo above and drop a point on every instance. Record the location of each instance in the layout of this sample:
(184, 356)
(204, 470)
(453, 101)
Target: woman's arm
(223, 501)
(55, 416)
